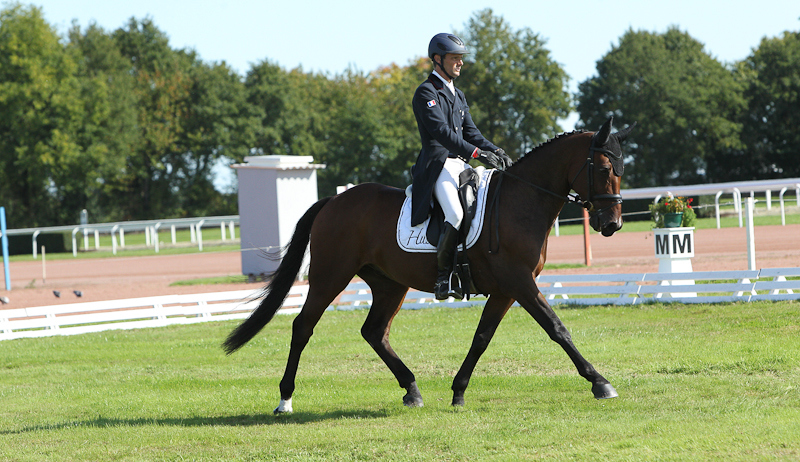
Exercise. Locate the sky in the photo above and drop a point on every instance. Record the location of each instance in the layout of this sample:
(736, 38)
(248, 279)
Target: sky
(330, 36)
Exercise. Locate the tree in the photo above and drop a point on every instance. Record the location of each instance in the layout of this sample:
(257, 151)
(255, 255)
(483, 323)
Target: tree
(685, 102)
(291, 107)
(217, 123)
(161, 88)
(109, 126)
(516, 92)
(772, 75)
(45, 162)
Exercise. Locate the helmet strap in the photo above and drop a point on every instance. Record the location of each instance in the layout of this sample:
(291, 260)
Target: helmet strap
(441, 66)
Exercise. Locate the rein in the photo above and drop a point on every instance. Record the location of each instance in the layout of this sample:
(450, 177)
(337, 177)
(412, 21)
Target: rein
(576, 198)
(573, 198)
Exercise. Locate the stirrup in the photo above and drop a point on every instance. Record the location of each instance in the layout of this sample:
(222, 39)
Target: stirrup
(456, 292)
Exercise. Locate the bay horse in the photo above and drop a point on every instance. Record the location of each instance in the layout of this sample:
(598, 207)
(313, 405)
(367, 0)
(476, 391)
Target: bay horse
(353, 233)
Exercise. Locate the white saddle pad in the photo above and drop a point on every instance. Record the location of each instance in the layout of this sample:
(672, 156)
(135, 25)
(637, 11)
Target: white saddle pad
(414, 238)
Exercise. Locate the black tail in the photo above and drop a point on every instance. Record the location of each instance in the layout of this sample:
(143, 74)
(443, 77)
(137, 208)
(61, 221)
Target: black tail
(282, 280)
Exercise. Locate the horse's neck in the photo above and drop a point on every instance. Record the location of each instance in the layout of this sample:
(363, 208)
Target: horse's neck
(549, 168)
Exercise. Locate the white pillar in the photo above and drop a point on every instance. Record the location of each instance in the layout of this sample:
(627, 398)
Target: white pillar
(751, 239)
(675, 249)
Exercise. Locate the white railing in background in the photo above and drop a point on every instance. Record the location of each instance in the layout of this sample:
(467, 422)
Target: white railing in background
(588, 289)
(149, 227)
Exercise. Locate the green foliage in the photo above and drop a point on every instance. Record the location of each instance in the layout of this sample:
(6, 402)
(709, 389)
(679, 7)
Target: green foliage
(772, 76)
(41, 117)
(704, 382)
(515, 89)
(124, 125)
(677, 204)
(686, 103)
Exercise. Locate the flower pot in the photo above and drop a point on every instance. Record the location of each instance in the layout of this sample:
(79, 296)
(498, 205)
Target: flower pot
(673, 220)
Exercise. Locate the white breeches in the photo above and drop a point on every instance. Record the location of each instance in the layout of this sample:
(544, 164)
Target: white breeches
(446, 191)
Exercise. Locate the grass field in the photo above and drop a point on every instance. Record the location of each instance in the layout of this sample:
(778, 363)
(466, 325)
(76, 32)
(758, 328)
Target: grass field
(707, 382)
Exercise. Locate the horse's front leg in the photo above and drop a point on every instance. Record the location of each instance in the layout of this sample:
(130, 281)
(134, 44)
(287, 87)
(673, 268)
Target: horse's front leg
(535, 304)
(496, 307)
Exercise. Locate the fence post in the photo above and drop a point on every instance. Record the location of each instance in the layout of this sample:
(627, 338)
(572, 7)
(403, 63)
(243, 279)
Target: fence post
(587, 245)
(751, 241)
(200, 234)
(783, 209)
(114, 239)
(75, 242)
(4, 245)
(35, 250)
(155, 235)
(716, 205)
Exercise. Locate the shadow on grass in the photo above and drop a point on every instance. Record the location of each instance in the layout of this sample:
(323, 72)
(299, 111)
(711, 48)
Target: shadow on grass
(245, 420)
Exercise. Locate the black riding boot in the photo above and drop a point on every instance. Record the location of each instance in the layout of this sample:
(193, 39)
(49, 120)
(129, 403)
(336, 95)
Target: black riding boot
(445, 255)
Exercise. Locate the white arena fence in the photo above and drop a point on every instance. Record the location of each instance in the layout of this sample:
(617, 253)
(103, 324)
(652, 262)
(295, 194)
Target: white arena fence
(592, 289)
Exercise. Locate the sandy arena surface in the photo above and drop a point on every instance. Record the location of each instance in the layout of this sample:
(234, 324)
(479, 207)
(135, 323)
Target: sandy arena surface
(130, 277)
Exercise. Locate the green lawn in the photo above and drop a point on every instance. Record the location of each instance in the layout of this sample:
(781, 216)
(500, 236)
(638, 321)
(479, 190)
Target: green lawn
(697, 382)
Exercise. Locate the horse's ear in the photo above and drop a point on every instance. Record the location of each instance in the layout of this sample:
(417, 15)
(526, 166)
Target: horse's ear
(605, 132)
(623, 134)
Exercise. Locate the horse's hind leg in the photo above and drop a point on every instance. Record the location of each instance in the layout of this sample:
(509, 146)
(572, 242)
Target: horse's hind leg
(321, 293)
(387, 298)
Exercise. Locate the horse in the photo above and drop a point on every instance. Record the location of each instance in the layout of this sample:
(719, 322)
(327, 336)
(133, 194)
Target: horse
(504, 261)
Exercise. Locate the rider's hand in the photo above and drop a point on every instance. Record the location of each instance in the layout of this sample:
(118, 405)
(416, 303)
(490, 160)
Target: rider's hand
(489, 159)
(501, 153)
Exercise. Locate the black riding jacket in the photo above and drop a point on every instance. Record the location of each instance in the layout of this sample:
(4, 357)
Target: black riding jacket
(446, 130)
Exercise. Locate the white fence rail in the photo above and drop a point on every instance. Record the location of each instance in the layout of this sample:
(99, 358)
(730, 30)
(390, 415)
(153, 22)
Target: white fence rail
(695, 287)
(592, 289)
(117, 231)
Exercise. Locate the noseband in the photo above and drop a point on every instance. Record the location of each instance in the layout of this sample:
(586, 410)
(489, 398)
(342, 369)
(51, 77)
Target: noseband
(576, 198)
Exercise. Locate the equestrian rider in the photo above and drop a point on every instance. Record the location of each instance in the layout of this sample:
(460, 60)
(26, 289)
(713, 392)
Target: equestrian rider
(449, 140)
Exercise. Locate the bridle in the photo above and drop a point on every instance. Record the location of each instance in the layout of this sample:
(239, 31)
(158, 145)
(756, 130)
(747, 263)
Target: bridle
(576, 198)
(589, 165)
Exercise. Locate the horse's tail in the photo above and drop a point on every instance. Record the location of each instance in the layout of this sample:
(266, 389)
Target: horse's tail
(282, 280)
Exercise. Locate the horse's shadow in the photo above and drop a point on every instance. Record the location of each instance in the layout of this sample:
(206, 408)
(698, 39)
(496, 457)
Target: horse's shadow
(243, 420)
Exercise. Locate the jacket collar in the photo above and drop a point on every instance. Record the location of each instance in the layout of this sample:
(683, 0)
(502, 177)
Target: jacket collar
(439, 86)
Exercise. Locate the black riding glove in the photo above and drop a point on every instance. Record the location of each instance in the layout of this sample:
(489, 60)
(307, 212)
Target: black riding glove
(501, 153)
(489, 159)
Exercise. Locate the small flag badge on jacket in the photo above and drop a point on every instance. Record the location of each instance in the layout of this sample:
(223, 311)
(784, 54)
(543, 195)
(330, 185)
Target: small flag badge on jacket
(432, 103)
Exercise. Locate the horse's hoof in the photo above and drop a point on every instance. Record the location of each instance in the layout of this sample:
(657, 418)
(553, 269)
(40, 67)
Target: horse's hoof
(413, 398)
(604, 391)
(458, 399)
(284, 407)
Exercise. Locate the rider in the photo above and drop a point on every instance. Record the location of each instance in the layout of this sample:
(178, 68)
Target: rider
(449, 140)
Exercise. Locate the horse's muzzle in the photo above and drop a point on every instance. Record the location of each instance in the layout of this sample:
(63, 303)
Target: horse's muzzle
(606, 227)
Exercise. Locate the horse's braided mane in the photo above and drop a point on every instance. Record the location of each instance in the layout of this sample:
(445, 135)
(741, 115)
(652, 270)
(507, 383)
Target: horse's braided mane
(546, 143)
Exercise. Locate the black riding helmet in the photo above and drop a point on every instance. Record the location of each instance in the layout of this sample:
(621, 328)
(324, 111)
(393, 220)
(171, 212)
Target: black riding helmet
(444, 43)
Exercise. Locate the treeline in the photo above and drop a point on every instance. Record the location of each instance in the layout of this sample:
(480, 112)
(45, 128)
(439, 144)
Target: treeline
(123, 125)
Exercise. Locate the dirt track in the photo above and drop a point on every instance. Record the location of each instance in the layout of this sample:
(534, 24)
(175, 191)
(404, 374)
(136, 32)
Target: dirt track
(117, 278)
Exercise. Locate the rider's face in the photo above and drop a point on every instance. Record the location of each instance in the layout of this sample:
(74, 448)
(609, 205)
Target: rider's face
(452, 64)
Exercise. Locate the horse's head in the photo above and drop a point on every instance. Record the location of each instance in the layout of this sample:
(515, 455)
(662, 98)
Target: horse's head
(597, 181)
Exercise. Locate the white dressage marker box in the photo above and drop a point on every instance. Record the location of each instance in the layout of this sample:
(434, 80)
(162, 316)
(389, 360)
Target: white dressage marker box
(674, 249)
(274, 192)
